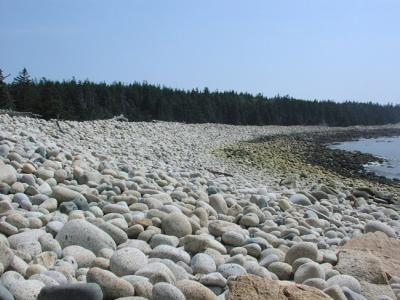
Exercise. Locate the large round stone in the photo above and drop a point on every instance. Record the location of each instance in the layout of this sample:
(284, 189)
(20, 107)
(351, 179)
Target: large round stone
(195, 291)
(300, 199)
(176, 224)
(5, 294)
(218, 202)
(166, 291)
(299, 250)
(172, 253)
(82, 233)
(21, 288)
(112, 286)
(308, 271)
(230, 269)
(6, 255)
(63, 194)
(345, 281)
(374, 226)
(127, 261)
(203, 264)
(83, 257)
(8, 174)
(77, 291)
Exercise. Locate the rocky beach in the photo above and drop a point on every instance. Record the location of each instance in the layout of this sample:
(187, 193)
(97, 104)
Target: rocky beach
(161, 210)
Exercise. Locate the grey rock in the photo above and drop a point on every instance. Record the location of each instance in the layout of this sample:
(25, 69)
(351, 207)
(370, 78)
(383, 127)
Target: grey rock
(6, 255)
(21, 288)
(345, 281)
(163, 239)
(67, 207)
(127, 261)
(351, 295)
(117, 234)
(374, 226)
(281, 269)
(335, 292)
(300, 199)
(194, 290)
(83, 256)
(166, 291)
(8, 174)
(63, 194)
(213, 279)
(168, 252)
(203, 264)
(138, 244)
(300, 250)
(228, 270)
(112, 286)
(5, 294)
(218, 202)
(25, 237)
(78, 291)
(308, 271)
(157, 269)
(176, 224)
(84, 234)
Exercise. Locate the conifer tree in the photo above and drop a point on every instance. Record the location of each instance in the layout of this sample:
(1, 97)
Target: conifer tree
(6, 102)
(22, 91)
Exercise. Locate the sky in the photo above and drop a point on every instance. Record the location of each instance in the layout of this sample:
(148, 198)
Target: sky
(309, 49)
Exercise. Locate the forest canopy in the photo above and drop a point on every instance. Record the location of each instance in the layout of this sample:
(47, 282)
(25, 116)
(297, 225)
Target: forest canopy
(86, 100)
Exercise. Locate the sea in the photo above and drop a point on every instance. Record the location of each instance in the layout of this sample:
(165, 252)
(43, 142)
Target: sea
(387, 148)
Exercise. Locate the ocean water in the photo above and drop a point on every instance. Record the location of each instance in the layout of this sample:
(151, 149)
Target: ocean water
(385, 147)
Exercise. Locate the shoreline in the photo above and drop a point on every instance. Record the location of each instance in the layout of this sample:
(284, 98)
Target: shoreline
(306, 157)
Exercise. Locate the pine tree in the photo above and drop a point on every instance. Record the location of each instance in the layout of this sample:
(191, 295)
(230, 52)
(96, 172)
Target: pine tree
(22, 91)
(6, 102)
(23, 77)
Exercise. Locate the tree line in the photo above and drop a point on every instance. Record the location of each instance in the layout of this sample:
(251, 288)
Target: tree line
(86, 100)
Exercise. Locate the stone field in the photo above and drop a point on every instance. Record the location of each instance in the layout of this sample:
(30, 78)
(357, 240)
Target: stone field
(124, 210)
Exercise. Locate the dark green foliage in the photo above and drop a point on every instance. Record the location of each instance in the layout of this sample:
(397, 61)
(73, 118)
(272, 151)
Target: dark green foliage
(6, 101)
(85, 100)
(24, 92)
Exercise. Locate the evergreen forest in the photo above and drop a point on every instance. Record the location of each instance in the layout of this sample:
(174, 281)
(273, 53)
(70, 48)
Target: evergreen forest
(86, 100)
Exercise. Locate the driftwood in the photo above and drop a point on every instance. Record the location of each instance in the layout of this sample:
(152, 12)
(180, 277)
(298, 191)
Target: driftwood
(59, 126)
(120, 118)
(219, 173)
(13, 113)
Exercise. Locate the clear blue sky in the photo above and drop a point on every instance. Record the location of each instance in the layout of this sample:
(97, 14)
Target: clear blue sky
(323, 49)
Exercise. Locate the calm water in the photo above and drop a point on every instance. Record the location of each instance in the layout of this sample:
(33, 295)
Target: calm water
(385, 147)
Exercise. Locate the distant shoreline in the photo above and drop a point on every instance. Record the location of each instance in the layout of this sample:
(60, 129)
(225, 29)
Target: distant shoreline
(307, 155)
